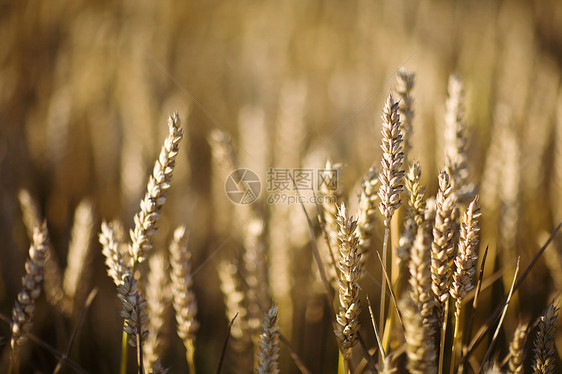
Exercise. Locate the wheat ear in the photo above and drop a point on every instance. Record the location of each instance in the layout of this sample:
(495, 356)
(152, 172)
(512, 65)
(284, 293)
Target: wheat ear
(350, 269)
(404, 86)
(391, 182)
(256, 274)
(420, 346)
(465, 265)
(456, 142)
(22, 313)
(444, 240)
(157, 300)
(52, 274)
(420, 276)
(77, 270)
(158, 185)
(134, 313)
(414, 218)
(235, 302)
(117, 258)
(366, 217)
(517, 350)
(330, 200)
(391, 177)
(184, 300)
(545, 351)
(269, 344)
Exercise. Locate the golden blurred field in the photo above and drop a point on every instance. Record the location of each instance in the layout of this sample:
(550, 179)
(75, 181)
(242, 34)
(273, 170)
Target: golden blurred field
(86, 89)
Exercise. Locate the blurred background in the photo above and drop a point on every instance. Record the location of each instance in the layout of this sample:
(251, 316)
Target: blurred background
(86, 89)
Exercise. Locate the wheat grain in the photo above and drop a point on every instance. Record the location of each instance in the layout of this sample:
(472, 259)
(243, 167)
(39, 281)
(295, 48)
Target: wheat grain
(158, 185)
(24, 308)
(269, 344)
(544, 357)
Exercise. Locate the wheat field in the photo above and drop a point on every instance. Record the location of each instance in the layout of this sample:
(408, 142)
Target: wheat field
(280, 187)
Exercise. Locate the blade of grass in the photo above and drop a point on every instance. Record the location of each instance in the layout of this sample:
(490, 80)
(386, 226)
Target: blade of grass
(392, 294)
(87, 304)
(495, 336)
(225, 344)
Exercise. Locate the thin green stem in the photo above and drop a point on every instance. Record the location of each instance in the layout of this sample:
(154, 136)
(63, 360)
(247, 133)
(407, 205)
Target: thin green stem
(124, 351)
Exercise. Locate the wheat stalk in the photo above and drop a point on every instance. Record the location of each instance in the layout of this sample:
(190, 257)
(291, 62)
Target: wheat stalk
(158, 185)
(269, 344)
(544, 357)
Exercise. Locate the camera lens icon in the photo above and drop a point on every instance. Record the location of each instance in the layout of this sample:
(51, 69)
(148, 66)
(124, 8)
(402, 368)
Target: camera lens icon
(242, 186)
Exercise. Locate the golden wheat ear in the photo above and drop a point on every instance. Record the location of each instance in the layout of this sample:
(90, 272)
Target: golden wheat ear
(347, 318)
(159, 182)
